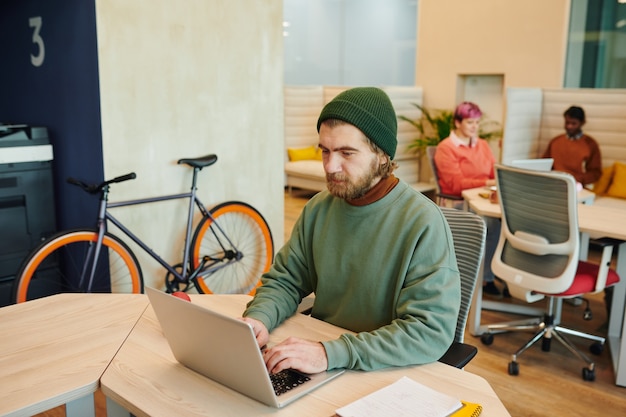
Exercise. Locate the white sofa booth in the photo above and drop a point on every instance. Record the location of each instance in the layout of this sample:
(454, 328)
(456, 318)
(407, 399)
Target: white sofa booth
(303, 105)
(534, 116)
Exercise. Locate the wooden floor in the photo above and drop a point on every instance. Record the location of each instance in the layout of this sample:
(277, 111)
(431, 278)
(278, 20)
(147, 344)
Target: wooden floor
(549, 383)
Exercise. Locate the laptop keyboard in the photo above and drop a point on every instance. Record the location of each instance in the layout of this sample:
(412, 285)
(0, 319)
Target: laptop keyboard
(286, 380)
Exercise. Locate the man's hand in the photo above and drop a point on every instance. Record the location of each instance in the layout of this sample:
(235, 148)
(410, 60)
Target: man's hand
(260, 331)
(299, 354)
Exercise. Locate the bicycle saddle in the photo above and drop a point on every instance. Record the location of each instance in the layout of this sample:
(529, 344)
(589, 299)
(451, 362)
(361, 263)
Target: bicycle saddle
(201, 162)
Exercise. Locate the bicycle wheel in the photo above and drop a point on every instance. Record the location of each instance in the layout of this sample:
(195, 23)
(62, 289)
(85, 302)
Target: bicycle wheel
(237, 242)
(56, 265)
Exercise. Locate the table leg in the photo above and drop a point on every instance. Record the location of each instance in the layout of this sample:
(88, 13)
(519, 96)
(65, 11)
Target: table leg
(116, 410)
(617, 324)
(81, 407)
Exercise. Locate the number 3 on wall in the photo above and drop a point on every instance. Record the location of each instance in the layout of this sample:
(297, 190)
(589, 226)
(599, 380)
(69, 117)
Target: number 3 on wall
(35, 23)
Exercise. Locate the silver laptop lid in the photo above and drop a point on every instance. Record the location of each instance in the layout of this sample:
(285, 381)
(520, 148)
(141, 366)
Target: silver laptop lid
(222, 348)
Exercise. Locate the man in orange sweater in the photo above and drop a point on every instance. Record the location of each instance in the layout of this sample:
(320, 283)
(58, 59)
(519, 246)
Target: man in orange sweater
(574, 152)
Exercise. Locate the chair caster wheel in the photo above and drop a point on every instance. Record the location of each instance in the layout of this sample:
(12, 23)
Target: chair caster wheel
(596, 348)
(514, 368)
(589, 374)
(545, 344)
(486, 338)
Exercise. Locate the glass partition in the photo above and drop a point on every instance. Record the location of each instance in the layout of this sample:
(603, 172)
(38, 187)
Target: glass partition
(596, 49)
(350, 42)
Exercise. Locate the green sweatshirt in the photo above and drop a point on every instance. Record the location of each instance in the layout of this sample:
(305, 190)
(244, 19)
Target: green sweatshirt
(386, 270)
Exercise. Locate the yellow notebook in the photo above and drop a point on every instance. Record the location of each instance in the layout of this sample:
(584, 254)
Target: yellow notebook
(468, 410)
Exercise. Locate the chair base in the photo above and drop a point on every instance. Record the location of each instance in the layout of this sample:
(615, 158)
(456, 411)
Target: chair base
(546, 330)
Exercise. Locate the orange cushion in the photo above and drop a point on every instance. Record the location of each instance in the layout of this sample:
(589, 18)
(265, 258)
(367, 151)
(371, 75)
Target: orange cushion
(618, 185)
(600, 186)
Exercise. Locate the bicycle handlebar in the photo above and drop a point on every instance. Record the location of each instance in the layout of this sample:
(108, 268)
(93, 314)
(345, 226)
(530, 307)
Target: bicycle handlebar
(95, 188)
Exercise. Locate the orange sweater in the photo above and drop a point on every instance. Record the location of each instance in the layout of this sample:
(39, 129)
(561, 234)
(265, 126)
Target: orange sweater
(461, 167)
(579, 157)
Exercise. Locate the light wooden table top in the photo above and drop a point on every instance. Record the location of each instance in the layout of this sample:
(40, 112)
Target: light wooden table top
(55, 349)
(145, 378)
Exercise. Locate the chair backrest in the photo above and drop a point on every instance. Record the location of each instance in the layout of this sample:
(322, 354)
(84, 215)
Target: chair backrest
(443, 200)
(468, 232)
(430, 155)
(539, 243)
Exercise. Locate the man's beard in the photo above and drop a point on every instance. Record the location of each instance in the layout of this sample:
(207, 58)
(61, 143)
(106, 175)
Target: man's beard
(350, 190)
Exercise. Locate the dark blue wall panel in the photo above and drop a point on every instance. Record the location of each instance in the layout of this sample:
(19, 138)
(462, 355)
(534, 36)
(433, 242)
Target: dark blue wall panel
(52, 80)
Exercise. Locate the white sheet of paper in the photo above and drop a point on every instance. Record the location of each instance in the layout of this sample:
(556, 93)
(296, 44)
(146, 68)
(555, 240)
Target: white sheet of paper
(403, 398)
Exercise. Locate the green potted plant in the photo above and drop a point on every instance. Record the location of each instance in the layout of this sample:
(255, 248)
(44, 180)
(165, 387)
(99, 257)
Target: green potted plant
(432, 126)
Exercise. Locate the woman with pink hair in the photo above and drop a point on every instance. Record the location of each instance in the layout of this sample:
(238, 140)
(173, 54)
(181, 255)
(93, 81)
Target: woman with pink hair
(464, 161)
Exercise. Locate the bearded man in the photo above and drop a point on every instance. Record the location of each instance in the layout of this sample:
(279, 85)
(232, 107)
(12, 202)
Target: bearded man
(377, 255)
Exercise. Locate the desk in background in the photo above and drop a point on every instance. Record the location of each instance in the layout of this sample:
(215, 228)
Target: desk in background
(54, 350)
(145, 378)
(596, 221)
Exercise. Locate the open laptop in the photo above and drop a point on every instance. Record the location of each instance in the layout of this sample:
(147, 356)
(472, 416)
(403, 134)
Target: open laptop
(224, 349)
(538, 164)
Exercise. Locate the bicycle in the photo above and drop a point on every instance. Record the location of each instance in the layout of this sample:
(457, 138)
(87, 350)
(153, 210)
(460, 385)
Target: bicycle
(231, 248)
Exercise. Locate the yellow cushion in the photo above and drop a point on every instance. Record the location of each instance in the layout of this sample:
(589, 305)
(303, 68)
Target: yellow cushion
(300, 154)
(618, 185)
(318, 154)
(600, 186)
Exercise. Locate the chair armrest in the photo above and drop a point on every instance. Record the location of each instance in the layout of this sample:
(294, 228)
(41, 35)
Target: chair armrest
(307, 312)
(458, 354)
(605, 241)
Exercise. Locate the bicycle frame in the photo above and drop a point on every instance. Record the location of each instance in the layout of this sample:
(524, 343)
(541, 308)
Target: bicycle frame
(104, 215)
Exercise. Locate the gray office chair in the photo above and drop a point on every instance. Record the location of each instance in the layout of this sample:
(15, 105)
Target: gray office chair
(538, 256)
(440, 198)
(468, 232)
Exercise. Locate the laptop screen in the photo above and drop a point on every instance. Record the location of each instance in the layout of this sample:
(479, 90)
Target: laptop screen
(538, 164)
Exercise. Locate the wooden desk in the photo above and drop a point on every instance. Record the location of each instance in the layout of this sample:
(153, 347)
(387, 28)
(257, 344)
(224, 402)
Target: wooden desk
(483, 207)
(54, 350)
(596, 221)
(145, 378)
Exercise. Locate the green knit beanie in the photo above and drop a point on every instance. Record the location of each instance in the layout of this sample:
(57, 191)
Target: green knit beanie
(370, 110)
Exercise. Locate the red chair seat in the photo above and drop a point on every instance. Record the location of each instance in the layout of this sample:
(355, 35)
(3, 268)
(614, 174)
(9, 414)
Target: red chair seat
(585, 280)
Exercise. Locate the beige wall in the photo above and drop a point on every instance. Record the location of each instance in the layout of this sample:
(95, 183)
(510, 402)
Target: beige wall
(182, 79)
(523, 40)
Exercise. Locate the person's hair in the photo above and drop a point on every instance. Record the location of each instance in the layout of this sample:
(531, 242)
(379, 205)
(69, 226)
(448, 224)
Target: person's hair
(385, 169)
(575, 112)
(467, 110)
(388, 167)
